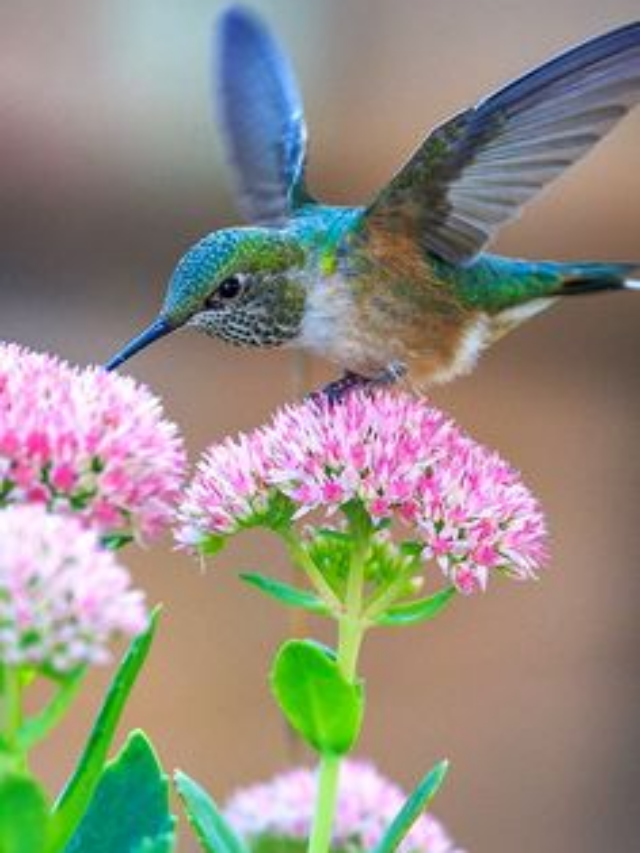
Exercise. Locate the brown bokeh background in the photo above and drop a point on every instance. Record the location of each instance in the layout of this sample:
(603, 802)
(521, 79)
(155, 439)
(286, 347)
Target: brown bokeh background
(110, 166)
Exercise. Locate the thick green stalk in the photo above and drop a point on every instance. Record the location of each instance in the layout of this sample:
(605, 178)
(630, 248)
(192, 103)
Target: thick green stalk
(351, 631)
(326, 799)
(351, 627)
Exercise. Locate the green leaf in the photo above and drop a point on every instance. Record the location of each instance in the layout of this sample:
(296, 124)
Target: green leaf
(129, 811)
(285, 593)
(211, 544)
(115, 541)
(211, 829)
(24, 815)
(420, 610)
(77, 794)
(318, 702)
(412, 809)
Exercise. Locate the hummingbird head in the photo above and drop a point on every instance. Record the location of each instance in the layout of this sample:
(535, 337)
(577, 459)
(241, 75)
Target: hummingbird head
(243, 285)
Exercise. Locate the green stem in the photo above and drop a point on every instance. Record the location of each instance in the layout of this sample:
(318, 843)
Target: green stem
(11, 720)
(39, 726)
(351, 632)
(386, 596)
(351, 628)
(327, 797)
(301, 558)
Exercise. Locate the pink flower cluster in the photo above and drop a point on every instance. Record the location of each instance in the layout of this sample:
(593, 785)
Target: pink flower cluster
(63, 598)
(283, 808)
(231, 487)
(401, 458)
(86, 441)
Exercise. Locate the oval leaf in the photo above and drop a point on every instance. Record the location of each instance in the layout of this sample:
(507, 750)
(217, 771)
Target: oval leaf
(24, 815)
(285, 593)
(412, 809)
(211, 829)
(420, 610)
(318, 702)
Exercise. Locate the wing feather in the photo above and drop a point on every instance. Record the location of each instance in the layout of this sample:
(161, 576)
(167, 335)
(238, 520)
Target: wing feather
(476, 171)
(262, 117)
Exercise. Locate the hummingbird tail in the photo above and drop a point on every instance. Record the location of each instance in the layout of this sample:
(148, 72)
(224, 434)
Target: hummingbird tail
(595, 277)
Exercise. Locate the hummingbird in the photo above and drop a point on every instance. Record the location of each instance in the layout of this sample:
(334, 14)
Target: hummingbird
(401, 286)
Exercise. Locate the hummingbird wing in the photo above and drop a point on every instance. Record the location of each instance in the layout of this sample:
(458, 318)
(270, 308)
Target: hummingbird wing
(262, 116)
(475, 171)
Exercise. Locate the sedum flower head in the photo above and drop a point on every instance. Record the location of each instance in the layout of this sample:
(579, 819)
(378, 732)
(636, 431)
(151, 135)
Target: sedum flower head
(400, 458)
(283, 809)
(229, 489)
(63, 598)
(86, 441)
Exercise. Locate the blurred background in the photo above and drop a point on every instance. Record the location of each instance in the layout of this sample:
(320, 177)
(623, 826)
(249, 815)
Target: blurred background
(111, 165)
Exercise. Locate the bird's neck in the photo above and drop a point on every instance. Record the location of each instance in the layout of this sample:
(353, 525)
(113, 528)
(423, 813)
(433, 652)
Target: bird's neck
(322, 233)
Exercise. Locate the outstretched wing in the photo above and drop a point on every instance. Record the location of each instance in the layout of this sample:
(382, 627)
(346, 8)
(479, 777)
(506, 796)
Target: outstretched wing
(262, 116)
(475, 172)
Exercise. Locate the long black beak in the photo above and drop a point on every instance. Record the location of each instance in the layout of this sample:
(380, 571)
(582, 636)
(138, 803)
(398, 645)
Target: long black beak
(152, 333)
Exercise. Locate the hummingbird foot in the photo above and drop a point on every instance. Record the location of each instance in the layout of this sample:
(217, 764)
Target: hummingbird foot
(337, 390)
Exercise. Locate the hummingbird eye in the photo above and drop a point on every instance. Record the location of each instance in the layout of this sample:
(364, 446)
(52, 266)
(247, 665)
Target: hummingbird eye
(227, 290)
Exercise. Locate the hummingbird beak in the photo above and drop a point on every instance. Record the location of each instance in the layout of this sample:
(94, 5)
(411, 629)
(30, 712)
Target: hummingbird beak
(152, 333)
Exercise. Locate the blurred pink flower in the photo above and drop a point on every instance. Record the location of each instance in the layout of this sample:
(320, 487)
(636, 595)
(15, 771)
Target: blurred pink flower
(63, 598)
(283, 808)
(403, 459)
(86, 441)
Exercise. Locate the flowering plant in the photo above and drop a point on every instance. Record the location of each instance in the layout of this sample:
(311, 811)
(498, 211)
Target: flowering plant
(366, 494)
(387, 510)
(87, 463)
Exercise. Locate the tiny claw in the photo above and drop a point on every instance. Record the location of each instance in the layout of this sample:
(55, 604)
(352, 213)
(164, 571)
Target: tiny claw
(336, 391)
